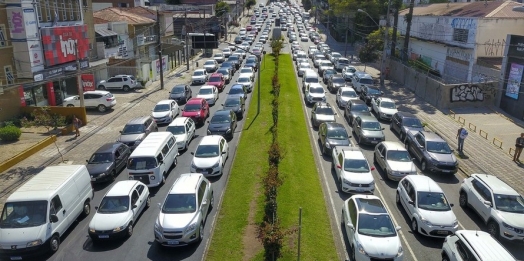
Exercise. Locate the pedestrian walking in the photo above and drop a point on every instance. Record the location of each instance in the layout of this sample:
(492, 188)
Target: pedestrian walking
(77, 123)
(462, 134)
(519, 145)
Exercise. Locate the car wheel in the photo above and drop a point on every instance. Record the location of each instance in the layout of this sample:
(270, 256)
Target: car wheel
(201, 232)
(130, 229)
(359, 140)
(113, 175)
(414, 225)
(102, 108)
(397, 198)
(148, 202)
(493, 229)
(70, 105)
(402, 137)
(445, 257)
(163, 179)
(374, 158)
(126, 88)
(423, 166)
(54, 243)
(86, 210)
(353, 253)
(101, 87)
(324, 151)
(212, 201)
(463, 200)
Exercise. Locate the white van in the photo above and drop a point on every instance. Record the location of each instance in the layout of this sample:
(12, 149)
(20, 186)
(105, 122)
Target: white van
(151, 161)
(38, 213)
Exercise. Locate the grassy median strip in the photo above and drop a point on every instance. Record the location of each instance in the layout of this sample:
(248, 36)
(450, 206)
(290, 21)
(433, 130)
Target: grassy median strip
(250, 165)
(301, 186)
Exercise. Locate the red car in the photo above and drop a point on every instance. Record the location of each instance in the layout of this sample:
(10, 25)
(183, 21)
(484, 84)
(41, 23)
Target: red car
(217, 80)
(249, 28)
(196, 109)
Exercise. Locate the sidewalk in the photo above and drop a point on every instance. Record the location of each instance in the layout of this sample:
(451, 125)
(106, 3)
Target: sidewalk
(481, 156)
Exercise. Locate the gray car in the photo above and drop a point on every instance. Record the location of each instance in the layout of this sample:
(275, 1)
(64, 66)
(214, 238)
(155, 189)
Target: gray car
(331, 134)
(402, 122)
(355, 108)
(433, 152)
(322, 112)
(181, 93)
(136, 130)
(367, 130)
(107, 162)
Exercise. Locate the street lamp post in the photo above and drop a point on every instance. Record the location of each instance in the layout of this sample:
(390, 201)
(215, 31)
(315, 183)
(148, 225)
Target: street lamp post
(384, 50)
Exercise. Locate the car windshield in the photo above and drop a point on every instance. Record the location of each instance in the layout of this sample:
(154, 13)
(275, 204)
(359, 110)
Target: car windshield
(215, 79)
(177, 90)
(438, 147)
(220, 119)
(231, 102)
(371, 126)
(432, 201)
(207, 151)
(311, 80)
(246, 70)
(205, 91)
(316, 90)
(325, 64)
(236, 91)
(198, 73)
(133, 129)
(337, 134)
(349, 94)
(218, 55)
(330, 72)
(141, 163)
(356, 165)
(243, 79)
(412, 122)
(509, 203)
(366, 81)
(209, 63)
(161, 107)
(180, 204)
(373, 91)
(24, 214)
(114, 204)
(251, 60)
(376, 225)
(338, 80)
(360, 108)
(388, 105)
(176, 130)
(340, 61)
(224, 72)
(98, 158)
(305, 66)
(398, 155)
(351, 69)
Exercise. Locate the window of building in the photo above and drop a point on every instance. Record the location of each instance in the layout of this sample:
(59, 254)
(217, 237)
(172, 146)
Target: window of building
(39, 11)
(3, 35)
(71, 10)
(64, 10)
(79, 10)
(460, 35)
(48, 12)
(56, 17)
(10, 77)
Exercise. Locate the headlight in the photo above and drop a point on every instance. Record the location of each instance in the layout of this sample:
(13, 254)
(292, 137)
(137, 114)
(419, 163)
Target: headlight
(328, 146)
(425, 221)
(216, 165)
(158, 228)
(193, 166)
(198, 114)
(118, 229)
(190, 228)
(400, 251)
(455, 223)
(92, 230)
(508, 227)
(361, 249)
(346, 181)
(208, 132)
(372, 183)
(228, 130)
(137, 142)
(34, 243)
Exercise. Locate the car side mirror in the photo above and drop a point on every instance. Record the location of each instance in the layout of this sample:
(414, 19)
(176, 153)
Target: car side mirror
(204, 202)
(207, 121)
(339, 167)
(120, 132)
(398, 228)
(350, 225)
(451, 205)
(159, 205)
(192, 153)
(381, 93)
(135, 206)
(222, 104)
(224, 152)
(87, 161)
(372, 168)
(411, 202)
(488, 203)
(53, 218)
(383, 128)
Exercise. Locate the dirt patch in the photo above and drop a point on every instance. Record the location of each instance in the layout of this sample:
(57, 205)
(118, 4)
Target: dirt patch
(29, 137)
(252, 245)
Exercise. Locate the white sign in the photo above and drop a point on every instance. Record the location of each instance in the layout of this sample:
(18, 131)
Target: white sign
(68, 46)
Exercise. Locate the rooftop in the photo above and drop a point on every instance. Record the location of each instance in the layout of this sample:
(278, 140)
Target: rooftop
(115, 14)
(488, 9)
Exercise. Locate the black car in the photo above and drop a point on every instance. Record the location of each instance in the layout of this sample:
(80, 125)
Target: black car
(369, 92)
(229, 65)
(252, 62)
(236, 104)
(181, 93)
(105, 164)
(223, 122)
(335, 82)
(355, 108)
(332, 134)
(234, 59)
(403, 122)
(238, 40)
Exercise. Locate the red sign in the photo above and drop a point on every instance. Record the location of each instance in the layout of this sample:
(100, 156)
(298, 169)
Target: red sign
(22, 96)
(88, 82)
(64, 44)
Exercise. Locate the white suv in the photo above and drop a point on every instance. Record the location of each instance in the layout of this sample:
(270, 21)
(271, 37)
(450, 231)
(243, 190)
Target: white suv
(499, 205)
(352, 169)
(473, 245)
(101, 100)
(184, 211)
(119, 82)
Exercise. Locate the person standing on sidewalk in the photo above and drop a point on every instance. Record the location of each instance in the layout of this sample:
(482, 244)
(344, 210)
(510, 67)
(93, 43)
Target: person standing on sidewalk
(519, 145)
(76, 124)
(462, 134)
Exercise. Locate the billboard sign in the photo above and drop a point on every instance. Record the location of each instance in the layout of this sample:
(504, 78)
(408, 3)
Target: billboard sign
(516, 46)
(88, 82)
(64, 44)
(514, 81)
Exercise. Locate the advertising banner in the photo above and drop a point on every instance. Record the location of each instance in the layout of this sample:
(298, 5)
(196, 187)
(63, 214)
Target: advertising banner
(61, 44)
(88, 82)
(155, 66)
(514, 81)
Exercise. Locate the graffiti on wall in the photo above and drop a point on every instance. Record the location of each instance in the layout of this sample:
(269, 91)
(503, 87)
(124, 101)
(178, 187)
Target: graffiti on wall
(473, 92)
(432, 31)
(494, 47)
(459, 53)
(463, 23)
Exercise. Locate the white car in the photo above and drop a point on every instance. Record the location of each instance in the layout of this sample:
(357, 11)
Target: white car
(199, 76)
(302, 68)
(211, 65)
(101, 100)
(184, 211)
(119, 82)
(208, 93)
(246, 82)
(119, 210)
(314, 92)
(227, 52)
(427, 206)
(353, 170)
(384, 108)
(247, 72)
(333, 57)
(348, 71)
(165, 111)
(219, 57)
(184, 130)
(341, 63)
(370, 230)
(210, 156)
(393, 158)
(344, 95)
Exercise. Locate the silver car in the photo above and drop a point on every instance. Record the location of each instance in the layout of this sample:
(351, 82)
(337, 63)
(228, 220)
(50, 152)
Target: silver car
(367, 130)
(394, 160)
(302, 68)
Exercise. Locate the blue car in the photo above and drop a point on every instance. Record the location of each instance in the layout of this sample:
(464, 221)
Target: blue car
(238, 90)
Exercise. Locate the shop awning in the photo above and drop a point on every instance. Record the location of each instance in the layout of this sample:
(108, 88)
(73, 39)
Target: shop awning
(105, 32)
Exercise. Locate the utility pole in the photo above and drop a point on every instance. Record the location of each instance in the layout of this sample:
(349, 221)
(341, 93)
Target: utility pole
(346, 45)
(205, 29)
(79, 79)
(159, 42)
(187, 40)
(385, 50)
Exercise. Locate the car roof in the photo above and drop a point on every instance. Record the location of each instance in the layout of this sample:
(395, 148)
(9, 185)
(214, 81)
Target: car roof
(200, 70)
(495, 184)
(207, 87)
(393, 145)
(347, 89)
(334, 125)
(357, 102)
(424, 183)
(369, 204)
(165, 102)
(108, 147)
(122, 188)
(351, 152)
(179, 121)
(431, 136)
(386, 99)
(210, 140)
(368, 118)
(222, 112)
(138, 120)
(96, 92)
(405, 114)
(484, 245)
(195, 101)
(186, 184)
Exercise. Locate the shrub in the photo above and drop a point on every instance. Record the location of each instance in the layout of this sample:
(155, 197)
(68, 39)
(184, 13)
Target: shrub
(10, 133)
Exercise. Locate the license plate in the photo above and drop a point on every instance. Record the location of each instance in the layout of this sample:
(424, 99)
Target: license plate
(103, 236)
(172, 242)
(442, 232)
(374, 142)
(16, 258)
(93, 179)
(360, 190)
(446, 171)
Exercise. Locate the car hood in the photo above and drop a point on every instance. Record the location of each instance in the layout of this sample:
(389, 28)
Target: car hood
(339, 85)
(176, 95)
(190, 113)
(244, 83)
(181, 137)
(358, 113)
(317, 95)
(20, 236)
(209, 66)
(334, 142)
(380, 246)
(198, 77)
(95, 169)
(387, 111)
(160, 114)
(215, 83)
(402, 166)
(439, 218)
(373, 134)
(245, 75)
(323, 117)
(206, 96)
(102, 221)
(204, 163)
(359, 178)
(513, 219)
(218, 126)
(131, 137)
(174, 221)
(233, 108)
(449, 159)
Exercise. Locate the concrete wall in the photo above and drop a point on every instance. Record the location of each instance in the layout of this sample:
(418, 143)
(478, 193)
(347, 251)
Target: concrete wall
(492, 32)
(9, 104)
(430, 52)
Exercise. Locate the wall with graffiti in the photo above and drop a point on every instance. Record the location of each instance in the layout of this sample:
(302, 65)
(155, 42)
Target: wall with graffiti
(441, 29)
(491, 37)
(481, 94)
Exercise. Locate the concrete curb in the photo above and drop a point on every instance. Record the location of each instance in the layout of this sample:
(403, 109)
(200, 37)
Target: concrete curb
(27, 153)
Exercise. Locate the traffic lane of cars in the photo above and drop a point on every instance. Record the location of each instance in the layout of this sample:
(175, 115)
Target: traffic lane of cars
(143, 229)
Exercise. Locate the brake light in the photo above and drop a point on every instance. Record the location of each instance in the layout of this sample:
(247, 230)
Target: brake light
(109, 99)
